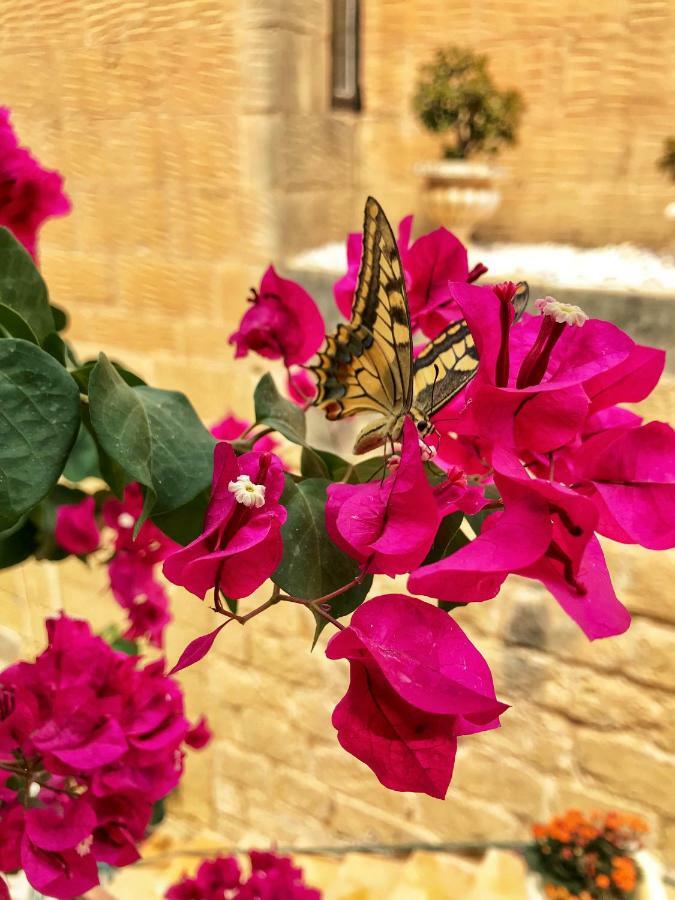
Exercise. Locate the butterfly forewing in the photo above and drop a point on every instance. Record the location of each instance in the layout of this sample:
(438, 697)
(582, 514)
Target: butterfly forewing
(367, 364)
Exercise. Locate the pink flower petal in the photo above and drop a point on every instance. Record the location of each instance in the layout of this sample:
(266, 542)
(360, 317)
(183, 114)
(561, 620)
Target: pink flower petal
(508, 541)
(197, 649)
(61, 825)
(598, 612)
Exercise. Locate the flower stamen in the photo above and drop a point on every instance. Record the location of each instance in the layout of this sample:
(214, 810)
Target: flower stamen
(247, 492)
(555, 316)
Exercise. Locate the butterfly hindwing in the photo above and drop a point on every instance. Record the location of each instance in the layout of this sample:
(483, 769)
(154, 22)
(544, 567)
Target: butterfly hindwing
(367, 364)
(443, 368)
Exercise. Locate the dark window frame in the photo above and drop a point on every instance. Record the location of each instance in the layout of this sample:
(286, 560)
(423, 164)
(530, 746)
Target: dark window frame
(346, 55)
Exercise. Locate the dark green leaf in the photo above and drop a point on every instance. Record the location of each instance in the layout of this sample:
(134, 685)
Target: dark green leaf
(22, 288)
(158, 813)
(83, 460)
(18, 546)
(14, 326)
(184, 524)
(312, 566)
(277, 412)
(154, 435)
(322, 464)
(81, 374)
(56, 347)
(60, 317)
(448, 539)
(40, 417)
(370, 469)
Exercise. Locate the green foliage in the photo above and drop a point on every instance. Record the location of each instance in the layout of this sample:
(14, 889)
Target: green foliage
(456, 94)
(278, 413)
(282, 415)
(155, 437)
(40, 419)
(19, 545)
(312, 566)
(23, 292)
(667, 160)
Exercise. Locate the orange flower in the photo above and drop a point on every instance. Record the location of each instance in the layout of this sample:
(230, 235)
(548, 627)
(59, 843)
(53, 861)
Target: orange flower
(539, 831)
(624, 874)
(602, 881)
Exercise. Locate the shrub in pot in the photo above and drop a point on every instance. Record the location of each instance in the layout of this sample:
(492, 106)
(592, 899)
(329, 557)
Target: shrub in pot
(456, 97)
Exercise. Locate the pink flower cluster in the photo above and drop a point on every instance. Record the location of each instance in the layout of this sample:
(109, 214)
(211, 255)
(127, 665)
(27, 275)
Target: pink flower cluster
(29, 194)
(272, 877)
(133, 565)
(537, 442)
(89, 741)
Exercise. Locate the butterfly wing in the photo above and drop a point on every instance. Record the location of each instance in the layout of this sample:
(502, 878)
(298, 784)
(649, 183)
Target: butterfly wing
(367, 364)
(443, 368)
(449, 362)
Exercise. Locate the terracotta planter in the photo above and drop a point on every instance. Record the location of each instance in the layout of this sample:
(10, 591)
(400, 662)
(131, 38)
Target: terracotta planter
(459, 194)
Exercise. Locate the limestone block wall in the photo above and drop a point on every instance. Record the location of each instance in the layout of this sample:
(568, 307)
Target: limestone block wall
(599, 89)
(198, 144)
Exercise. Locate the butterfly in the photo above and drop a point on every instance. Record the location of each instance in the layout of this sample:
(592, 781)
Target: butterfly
(368, 365)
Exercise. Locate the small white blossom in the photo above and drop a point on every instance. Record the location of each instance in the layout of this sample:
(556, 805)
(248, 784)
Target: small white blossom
(246, 492)
(84, 846)
(563, 313)
(126, 520)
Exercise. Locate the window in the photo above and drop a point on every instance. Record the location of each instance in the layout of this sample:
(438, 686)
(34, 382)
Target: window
(346, 93)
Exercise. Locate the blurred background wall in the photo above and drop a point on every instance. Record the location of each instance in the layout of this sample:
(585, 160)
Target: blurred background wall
(198, 141)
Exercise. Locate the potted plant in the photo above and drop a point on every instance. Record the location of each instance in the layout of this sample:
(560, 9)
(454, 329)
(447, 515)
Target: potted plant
(592, 857)
(457, 98)
(667, 164)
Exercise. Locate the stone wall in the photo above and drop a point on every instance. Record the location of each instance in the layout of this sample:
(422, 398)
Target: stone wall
(192, 154)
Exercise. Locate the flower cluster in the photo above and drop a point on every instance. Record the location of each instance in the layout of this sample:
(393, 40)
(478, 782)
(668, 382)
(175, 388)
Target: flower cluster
(29, 194)
(89, 741)
(133, 565)
(272, 877)
(568, 463)
(582, 857)
(525, 469)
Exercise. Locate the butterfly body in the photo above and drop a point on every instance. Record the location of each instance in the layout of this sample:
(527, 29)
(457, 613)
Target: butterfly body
(368, 365)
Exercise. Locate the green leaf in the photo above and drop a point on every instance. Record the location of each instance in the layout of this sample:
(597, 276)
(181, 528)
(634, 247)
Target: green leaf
(22, 288)
(322, 464)
(83, 460)
(312, 566)
(277, 412)
(60, 317)
(448, 539)
(370, 469)
(40, 418)
(15, 326)
(82, 373)
(56, 347)
(19, 545)
(155, 436)
(184, 524)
